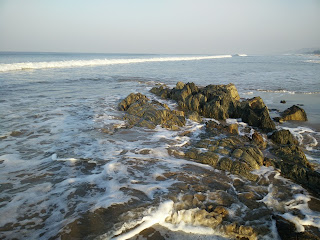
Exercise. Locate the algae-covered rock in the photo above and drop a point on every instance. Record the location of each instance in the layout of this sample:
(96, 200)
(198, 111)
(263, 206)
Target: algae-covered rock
(283, 137)
(132, 98)
(293, 113)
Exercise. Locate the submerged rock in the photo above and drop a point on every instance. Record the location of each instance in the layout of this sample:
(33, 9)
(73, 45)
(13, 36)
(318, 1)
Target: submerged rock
(293, 113)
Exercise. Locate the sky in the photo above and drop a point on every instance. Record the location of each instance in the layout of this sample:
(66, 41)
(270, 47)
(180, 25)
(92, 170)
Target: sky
(159, 26)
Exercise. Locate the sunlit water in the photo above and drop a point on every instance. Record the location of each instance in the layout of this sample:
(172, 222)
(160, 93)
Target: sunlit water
(65, 152)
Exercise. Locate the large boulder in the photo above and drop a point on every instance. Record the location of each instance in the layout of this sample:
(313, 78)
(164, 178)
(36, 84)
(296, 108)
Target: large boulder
(222, 101)
(293, 113)
(254, 112)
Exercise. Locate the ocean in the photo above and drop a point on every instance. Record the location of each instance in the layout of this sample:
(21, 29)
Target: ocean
(70, 168)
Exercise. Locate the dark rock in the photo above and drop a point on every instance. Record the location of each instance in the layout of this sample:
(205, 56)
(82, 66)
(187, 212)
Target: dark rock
(255, 113)
(283, 137)
(287, 230)
(283, 101)
(222, 101)
(214, 128)
(219, 102)
(236, 167)
(294, 165)
(294, 113)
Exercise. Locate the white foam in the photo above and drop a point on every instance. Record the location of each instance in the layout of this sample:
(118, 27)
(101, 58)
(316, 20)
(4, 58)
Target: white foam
(276, 91)
(158, 216)
(299, 133)
(312, 61)
(97, 62)
(300, 202)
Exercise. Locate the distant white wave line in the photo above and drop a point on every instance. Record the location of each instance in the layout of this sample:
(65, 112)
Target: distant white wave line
(97, 62)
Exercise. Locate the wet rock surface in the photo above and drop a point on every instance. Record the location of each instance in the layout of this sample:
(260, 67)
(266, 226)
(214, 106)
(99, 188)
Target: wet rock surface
(219, 102)
(145, 113)
(294, 113)
(208, 202)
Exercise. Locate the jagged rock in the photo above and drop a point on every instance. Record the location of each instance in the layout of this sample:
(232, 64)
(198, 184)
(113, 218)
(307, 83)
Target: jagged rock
(291, 153)
(132, 98)
(287, 230)
(255, 113)
(161, 91)
(222, 101)
(283, 137)
(141, 112)
(180, 94)
(294, 165)
(179, 85)
(293, 113)
(214, 128)
(236, 167)
(253, 157)
(219, 102)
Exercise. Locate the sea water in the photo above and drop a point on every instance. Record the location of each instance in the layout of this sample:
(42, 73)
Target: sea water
(69, 164)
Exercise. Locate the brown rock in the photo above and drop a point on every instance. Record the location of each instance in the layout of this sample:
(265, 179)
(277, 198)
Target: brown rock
(258, 140)
(294, 113)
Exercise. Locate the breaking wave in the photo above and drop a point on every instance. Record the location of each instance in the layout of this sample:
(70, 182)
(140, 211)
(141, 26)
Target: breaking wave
(97, 62)
(285, 91)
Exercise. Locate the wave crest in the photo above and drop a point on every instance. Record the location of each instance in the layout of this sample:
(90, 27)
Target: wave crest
(97, 62)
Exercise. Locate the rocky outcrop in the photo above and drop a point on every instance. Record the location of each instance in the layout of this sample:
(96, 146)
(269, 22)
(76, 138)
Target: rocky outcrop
(145, 113)
(293, 113)
(233, 153)
(219, 102)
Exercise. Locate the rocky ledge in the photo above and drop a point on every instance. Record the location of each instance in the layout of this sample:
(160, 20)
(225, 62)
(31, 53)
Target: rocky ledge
(237, 154)
(220, 144)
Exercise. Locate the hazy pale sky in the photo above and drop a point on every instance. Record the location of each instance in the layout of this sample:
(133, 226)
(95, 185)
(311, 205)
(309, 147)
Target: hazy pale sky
(159, 26)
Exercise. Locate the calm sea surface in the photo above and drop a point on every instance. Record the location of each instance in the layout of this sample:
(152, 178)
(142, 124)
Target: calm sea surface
(65, 154)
